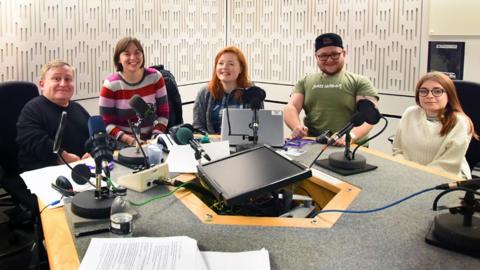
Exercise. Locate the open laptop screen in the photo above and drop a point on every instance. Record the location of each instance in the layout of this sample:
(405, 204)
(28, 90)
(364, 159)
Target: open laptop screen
(270, 127)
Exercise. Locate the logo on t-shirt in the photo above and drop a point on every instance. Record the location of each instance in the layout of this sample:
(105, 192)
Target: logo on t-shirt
(330, 85)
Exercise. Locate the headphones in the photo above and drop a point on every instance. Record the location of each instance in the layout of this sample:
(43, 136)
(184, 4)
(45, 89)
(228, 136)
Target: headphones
(63, 186)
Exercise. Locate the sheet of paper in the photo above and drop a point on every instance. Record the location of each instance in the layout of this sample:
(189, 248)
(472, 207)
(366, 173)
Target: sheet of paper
(182, 157)
(40, 182)
(144, 253)
(252, 260)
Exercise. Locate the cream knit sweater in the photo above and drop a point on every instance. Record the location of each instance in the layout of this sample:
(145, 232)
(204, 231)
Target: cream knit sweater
(418, 139)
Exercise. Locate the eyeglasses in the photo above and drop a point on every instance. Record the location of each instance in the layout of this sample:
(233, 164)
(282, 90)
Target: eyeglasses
(436, 92)
(334, 56)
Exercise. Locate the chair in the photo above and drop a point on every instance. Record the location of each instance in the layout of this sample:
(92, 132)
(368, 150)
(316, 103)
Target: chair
(13, 97)
(469, 95)
(174, 99)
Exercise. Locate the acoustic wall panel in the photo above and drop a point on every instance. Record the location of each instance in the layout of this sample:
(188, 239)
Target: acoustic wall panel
(184, 35)
(382, 38)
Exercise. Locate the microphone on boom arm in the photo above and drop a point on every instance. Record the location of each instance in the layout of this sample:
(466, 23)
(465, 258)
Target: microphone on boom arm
(344, 162)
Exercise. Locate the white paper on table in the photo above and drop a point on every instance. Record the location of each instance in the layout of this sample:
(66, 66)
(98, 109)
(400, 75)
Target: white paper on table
(40, 183)
(251, 260)
(182, 157)
(179, 252)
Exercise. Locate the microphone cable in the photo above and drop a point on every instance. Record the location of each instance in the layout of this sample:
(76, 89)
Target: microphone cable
(379, 208)
(159, 196)
(51, 204)
(374, 136)
(441, 194)
(87, 180)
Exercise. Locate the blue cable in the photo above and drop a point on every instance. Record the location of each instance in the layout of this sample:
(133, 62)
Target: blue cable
(380, 208)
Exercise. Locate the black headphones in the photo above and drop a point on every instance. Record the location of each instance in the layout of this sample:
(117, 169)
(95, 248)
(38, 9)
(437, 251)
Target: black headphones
(63, 186)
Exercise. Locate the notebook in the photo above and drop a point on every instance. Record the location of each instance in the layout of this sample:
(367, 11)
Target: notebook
(270, 128)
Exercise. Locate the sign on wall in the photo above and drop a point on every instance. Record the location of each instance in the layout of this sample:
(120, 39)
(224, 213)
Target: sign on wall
(446, 57)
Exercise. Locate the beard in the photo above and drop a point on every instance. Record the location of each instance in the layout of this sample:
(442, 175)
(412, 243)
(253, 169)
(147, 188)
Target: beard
(331, 70)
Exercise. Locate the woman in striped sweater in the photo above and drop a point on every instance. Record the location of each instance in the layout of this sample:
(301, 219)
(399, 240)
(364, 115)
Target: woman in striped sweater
(132, 78)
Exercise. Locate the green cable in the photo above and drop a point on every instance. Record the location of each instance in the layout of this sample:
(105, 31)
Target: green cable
(158, 196)
(110, 184)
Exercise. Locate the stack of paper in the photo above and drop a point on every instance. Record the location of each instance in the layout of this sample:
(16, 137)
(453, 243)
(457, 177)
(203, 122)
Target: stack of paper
(179, 252)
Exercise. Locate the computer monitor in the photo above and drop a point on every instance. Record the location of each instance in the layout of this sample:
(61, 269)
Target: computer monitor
(247, 174)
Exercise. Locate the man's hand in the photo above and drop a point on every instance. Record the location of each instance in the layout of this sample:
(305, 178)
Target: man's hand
(299, 131)
(68, 157)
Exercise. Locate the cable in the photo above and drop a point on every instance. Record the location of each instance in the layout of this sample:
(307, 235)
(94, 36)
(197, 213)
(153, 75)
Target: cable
(70, 167)
(380, 208)
(434, 207)
(51, 204)
(315, 159)
(369, 139)
(158, 196)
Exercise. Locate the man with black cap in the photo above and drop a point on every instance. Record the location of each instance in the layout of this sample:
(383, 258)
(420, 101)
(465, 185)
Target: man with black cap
(328, 97)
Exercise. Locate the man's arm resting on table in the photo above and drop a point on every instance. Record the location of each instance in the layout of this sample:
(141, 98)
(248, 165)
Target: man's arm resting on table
(291, 115)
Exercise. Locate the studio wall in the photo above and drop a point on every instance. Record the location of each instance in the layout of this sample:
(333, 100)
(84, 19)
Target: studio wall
(182, 35)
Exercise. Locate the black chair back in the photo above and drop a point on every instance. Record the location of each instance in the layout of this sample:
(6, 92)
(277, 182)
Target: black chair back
(174, 99)
(469, 96)
(13, 96)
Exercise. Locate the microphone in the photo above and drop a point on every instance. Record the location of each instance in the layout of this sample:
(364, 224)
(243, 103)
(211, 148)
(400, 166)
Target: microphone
(97, 145)
(58, 136)
(81, 174)
(370, 113)
(185, 136)
(254, 96)
(145, 111)
(470, 184)
(356, 120)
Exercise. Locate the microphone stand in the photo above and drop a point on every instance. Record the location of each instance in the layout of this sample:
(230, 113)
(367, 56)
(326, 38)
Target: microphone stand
(255, 126)
(344, 162)
(458, 230)
(134, 156)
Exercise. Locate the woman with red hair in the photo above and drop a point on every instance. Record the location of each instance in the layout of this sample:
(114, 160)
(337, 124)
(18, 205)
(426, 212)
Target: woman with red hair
(229, 79)
(436, 132)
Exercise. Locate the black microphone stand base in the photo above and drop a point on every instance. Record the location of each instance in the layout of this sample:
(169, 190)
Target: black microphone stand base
(84, 204)
(131, 156)
(337, 162)
(447, 231)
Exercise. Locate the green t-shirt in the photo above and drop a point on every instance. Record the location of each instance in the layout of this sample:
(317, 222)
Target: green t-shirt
(330, 99)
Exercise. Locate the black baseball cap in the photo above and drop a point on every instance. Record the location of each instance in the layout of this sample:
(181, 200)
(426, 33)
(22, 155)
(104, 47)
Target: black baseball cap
(328, 39)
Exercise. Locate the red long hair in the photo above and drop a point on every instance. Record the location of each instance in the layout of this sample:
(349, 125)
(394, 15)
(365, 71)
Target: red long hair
(243, 81)
(448, 115)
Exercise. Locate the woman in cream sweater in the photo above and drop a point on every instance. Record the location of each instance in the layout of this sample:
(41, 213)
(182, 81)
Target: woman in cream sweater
(435, 132)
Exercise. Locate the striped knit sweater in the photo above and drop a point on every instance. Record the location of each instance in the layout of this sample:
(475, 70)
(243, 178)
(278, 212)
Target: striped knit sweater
(116, 111)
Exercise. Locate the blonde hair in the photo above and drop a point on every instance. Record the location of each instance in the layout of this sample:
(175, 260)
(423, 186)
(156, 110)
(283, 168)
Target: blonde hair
(53, 64)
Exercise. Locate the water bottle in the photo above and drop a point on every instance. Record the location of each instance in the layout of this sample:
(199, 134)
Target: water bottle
(121, 217)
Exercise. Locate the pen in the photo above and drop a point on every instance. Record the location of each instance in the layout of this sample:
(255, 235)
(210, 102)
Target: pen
(86, 233)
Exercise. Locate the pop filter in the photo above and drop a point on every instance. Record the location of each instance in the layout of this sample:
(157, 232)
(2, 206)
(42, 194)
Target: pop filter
(370, 113)
(254, 96)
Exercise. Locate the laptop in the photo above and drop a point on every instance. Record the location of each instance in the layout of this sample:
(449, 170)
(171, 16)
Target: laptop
(270, 127)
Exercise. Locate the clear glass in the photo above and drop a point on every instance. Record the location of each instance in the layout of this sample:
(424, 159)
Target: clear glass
(155, 154)
(121, 217)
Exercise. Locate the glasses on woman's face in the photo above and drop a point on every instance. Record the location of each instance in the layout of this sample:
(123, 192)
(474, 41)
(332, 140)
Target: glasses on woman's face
(436, 92)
